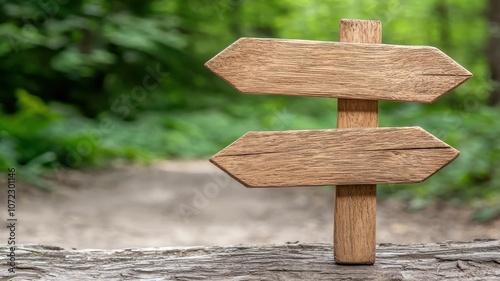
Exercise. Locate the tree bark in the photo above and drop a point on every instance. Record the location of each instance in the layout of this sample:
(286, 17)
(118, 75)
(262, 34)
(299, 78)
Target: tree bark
(494, 50)
(474, 260)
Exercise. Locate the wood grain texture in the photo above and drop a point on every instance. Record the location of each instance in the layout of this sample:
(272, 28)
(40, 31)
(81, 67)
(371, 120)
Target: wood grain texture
(338, 70)
(475, 260)
(355, 215)
(330, 157)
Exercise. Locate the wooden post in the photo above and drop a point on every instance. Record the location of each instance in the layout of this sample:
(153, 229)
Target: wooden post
(355, 205)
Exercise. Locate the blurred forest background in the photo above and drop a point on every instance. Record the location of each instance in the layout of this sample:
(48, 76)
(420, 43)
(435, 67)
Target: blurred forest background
(94, 83)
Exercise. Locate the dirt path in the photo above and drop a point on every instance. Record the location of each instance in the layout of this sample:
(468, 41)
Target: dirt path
(163, 205)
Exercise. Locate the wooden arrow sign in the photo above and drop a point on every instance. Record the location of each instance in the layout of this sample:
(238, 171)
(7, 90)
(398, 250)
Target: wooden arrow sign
(334, 157)
(338, 70)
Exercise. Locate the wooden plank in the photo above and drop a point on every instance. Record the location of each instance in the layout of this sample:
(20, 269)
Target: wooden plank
(333, 157)
(475, 260)
(338, 70)
(355, 216)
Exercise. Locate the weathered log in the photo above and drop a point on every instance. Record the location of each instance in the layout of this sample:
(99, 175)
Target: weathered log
(474, 260)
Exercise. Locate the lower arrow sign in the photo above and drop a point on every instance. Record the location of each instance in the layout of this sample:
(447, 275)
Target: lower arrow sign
(334, 157)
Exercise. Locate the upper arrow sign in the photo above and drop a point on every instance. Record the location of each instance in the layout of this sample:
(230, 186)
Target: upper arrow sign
(338, 70)
(334, 157)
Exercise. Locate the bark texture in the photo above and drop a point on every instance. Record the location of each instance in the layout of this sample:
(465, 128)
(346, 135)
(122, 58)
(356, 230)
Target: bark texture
(474, 260)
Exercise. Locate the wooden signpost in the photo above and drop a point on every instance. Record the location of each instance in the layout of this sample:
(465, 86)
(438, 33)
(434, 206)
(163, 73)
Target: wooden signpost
(357, 155)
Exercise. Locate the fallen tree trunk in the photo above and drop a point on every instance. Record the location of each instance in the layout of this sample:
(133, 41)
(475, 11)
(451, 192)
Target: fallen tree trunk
(474, 260)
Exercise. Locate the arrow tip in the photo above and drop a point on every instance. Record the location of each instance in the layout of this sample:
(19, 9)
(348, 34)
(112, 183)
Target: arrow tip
(215, 160)
(224, 62)
(448, 153)
(454, 73)
(223, 58)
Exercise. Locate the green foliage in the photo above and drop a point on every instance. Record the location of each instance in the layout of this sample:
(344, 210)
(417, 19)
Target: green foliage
(76, 93)
(87, 52)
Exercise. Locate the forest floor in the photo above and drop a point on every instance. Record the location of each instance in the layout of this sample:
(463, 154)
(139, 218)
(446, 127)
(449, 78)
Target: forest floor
(190, 203)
